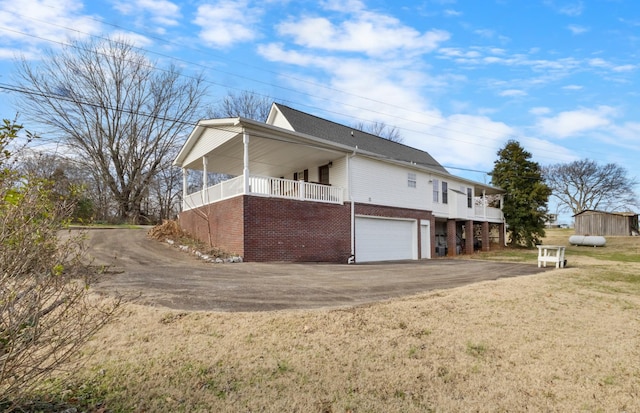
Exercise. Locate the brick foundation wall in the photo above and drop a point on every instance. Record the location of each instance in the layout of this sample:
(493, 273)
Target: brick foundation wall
(271, 229)
(221, 220)
(289, 230)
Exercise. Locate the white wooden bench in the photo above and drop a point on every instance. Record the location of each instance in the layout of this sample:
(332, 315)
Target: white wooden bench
(551, 253)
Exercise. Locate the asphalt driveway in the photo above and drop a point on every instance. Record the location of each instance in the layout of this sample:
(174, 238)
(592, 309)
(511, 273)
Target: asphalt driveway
(158, 274)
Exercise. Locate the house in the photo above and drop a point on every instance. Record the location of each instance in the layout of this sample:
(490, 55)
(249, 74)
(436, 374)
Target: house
(303, 188)
(591, 222)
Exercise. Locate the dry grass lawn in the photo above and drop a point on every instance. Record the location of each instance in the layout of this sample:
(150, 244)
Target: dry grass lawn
(567, 340)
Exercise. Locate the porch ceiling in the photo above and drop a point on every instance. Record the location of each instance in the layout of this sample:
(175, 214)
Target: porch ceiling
(267, 156)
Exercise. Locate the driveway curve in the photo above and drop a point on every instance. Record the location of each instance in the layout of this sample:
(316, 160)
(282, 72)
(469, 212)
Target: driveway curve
(161, 275)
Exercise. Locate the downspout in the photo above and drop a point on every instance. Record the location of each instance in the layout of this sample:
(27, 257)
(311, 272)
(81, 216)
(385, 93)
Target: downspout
(352, 259)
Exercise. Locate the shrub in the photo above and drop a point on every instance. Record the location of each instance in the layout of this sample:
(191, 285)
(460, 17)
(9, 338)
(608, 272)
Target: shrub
(46, 310)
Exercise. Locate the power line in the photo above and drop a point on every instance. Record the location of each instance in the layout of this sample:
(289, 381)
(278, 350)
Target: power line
(37, 93)
(235, 74)
(292, 90)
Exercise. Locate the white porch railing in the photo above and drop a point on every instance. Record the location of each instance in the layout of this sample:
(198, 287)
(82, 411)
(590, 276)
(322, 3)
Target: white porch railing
(488, 213)
(265, 186)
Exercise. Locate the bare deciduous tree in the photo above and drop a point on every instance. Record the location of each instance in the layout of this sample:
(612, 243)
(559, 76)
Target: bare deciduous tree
(246, 104)
(585, 184)
(114, 108)
(381, 129)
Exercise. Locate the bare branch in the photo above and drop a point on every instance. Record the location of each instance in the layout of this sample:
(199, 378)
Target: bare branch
(585, 184)
(382, 130)
(246, 104)
(115, 109)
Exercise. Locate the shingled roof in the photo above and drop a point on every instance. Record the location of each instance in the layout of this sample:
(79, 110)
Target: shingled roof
(346, 135)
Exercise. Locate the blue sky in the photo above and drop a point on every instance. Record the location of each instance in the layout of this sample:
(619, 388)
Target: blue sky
(458, 78)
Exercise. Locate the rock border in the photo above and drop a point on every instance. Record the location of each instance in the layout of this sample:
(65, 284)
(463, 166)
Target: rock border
(205, 257)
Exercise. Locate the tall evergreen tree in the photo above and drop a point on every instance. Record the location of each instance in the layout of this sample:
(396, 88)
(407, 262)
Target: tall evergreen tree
(525, 201)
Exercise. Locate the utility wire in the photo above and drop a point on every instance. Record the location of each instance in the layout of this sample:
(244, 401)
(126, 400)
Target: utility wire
(422, 132)
(21, 90)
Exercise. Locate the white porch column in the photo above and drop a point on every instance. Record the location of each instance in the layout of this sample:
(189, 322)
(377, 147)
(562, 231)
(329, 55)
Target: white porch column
(245, 169)
(205, 179)
(185, 186)
(484, 203)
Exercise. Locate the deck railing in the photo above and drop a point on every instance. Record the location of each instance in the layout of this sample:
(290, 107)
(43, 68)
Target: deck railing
(489, 213)
(265, 186)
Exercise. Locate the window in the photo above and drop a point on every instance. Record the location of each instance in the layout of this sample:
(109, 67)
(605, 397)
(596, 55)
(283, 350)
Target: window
(436, 190)
(445, 193)
(301, 176)
(469, 198)
(411, 180)
(323, 174)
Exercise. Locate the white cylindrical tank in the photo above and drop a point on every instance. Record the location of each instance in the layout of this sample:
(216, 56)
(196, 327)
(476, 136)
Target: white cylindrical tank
(588, 240)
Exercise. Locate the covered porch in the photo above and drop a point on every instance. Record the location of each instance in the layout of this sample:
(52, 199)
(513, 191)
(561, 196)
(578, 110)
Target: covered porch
(253, 158)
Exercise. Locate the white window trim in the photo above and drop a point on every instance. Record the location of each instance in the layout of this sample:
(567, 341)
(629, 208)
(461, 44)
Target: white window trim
(412, 180)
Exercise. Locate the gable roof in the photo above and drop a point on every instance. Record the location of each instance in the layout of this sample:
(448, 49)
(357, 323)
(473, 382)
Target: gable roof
(331, 131)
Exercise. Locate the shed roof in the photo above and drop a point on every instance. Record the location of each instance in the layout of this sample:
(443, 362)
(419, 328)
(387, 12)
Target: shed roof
(594, 212)
(345, 135)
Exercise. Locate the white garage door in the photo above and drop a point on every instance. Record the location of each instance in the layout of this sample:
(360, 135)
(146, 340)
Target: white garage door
(380, 239)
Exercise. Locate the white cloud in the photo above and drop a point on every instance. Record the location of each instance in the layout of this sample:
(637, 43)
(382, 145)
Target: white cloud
(539, 111)
(459, 53)
(572, 87)
(467, 141)
(598, 62)
(547, 152)
(572, 9)
(53, 20)
(571, 123)
(625, 136)
(343, 6)
(575, 29)
(162, 12)
(277, 53)
(136, 39)
(513, 93)
(365, 32)
(486, 33)
(227, 22)
(624, 68)
(372, 68)
(452, 13)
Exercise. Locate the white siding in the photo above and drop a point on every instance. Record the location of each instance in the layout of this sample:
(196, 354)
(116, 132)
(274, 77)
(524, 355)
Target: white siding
(280, 121)
(380, 183)
(338, 173)
(210, 139)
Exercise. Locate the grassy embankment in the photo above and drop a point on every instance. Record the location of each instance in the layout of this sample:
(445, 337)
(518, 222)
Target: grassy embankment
(565, 340)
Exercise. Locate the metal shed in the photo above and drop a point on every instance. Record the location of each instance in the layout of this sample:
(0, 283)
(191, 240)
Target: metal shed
(591, 222)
